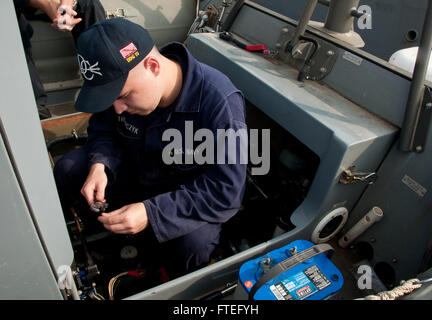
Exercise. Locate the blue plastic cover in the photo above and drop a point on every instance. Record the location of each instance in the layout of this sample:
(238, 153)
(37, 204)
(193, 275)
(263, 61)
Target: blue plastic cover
(314, 279)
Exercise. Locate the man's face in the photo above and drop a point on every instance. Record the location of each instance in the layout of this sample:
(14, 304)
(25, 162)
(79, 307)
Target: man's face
(140, 94)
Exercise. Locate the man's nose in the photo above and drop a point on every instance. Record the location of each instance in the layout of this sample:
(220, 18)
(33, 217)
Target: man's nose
(119, 107)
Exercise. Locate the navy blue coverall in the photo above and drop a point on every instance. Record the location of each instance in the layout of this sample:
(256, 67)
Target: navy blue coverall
(186, 203)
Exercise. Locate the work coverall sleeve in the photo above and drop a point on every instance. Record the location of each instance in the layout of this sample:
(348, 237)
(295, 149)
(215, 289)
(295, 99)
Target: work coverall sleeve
(102, 143)
(214, 197)
(20, 4)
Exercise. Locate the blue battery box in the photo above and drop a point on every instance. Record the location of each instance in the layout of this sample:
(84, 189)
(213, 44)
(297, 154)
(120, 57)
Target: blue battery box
(297, 271)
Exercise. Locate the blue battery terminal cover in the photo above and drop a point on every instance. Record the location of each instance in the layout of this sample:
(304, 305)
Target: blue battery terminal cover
(314, 279)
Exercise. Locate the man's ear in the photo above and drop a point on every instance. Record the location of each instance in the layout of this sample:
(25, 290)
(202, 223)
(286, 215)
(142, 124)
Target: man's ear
(152, 64)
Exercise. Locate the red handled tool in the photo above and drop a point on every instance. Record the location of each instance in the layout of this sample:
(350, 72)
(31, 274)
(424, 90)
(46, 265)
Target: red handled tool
(260, 48)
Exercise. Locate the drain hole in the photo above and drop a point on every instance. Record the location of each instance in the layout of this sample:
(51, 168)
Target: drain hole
(330, 227)
(411, 35)
(363, 251)
(386, 273)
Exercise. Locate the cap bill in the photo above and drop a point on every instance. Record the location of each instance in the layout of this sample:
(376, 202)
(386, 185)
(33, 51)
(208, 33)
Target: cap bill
(98, 98)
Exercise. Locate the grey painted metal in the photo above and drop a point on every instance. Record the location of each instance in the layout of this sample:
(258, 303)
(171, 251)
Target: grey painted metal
(403, 192)
(425, 118)
(321, 64)
(414, 105)
(338, 131)
(166, 20)
(25, 272)
(399, 22)
(324, 2)
(339, 17)
(366, 83)
(24, 136)
(356, 75)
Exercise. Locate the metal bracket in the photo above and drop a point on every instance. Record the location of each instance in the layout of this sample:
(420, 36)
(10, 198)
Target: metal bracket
(117, 13)
(321, 65)
(66, 283)
(424, 120)
(350, 176)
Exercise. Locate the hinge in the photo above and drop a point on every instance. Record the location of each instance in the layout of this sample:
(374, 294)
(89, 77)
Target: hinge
(425, 117)
(117, 13)
(66, 283)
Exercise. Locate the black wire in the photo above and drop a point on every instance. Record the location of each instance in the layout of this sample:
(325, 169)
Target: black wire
(306, 67)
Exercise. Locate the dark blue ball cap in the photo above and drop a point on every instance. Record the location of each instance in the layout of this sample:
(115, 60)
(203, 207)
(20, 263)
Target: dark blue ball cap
(107, 51)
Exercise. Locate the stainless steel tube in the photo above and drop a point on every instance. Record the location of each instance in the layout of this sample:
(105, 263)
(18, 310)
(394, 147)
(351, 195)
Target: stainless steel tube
(412, 110)
(339, 17)
(303, 22)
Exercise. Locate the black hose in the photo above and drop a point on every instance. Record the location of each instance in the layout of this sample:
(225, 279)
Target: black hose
(306, 67)
(221, 293)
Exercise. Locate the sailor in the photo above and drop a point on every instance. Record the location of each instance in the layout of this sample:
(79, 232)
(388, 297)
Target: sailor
(136, 94)
(65, 15)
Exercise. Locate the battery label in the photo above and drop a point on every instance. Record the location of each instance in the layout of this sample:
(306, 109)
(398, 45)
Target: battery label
(280, 292)
(317, 277)
(301, 285)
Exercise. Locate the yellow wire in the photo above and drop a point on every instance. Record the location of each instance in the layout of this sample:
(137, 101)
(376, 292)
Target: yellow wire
(111, 284)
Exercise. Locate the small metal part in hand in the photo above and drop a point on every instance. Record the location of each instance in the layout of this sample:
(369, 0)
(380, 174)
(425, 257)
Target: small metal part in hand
(99, 207)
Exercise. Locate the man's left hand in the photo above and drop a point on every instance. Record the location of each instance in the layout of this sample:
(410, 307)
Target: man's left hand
(129, 219)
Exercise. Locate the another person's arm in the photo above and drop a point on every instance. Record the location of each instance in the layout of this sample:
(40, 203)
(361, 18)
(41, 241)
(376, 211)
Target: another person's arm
(50, 7)
(65, 18)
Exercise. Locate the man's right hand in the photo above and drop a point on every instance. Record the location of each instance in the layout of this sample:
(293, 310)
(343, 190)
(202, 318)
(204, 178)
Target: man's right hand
(95, 184)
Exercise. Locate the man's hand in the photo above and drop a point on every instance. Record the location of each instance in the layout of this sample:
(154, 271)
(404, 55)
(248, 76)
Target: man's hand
(65, 18)
(95, 184)
(129, 219)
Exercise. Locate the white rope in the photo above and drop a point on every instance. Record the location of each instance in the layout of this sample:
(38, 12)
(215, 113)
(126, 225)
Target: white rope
(405, 287)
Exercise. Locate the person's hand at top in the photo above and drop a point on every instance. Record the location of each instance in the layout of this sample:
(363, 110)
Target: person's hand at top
(65, 18)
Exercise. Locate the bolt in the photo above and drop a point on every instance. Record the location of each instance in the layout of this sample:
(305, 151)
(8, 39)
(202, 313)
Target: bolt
(330, 53)
(394, 260)
(335, 277)
(419, 148)
(323, 70)
(428, 105)
(285, 30)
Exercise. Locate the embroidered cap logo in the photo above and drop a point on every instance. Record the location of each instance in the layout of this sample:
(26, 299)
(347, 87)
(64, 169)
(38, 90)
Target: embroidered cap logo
(129, 52)
(85, 67)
